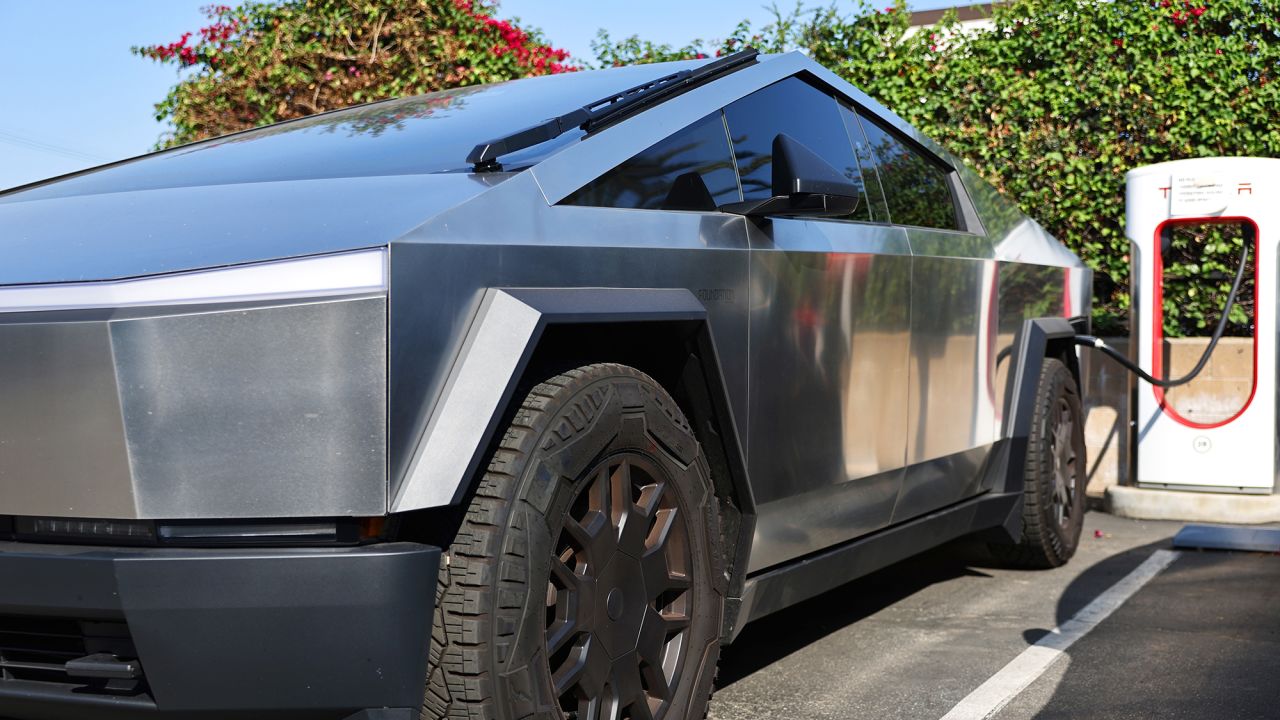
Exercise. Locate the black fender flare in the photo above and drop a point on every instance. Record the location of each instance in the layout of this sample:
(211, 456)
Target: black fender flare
(1036, 340)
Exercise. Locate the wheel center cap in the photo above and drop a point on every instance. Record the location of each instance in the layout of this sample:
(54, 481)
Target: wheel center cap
(619, 605)
(614, 603)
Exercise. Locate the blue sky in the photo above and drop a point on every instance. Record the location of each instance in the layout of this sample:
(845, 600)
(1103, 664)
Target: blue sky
(74, 97)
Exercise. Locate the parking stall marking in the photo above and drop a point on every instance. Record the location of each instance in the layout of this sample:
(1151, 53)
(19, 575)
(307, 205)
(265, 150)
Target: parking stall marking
(991, 696)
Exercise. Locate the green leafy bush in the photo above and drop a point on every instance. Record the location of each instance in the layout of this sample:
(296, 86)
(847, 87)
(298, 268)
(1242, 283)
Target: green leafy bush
(1061, 98)
(262, 62)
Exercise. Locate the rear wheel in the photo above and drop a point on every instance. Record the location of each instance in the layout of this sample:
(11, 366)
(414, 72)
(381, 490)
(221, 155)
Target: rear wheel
(1054, 507)
(583, 581)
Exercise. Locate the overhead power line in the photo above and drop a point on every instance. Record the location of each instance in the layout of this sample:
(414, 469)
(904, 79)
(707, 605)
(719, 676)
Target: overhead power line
(12, 138)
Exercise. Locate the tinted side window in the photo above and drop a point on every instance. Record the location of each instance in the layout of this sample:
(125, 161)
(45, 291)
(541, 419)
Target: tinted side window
(867, 161)
(915, 187)
(800, 110)
(690, 170)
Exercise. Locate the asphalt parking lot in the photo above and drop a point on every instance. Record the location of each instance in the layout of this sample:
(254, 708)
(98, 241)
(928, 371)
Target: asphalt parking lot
(1200, 639)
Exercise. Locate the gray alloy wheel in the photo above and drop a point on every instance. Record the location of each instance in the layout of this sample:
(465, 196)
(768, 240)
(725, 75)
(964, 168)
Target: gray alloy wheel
(1054, 497)
(619, 595)
(586, 580)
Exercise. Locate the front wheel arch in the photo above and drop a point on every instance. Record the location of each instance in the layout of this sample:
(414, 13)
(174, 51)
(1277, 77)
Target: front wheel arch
(665, 333)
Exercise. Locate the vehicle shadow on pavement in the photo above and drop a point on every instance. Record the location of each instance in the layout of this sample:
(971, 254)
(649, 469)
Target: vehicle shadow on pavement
(778, 635)
(1201, 640)
(1094, 581)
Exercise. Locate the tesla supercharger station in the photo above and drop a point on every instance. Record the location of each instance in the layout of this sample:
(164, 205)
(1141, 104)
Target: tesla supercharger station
(1236, 453)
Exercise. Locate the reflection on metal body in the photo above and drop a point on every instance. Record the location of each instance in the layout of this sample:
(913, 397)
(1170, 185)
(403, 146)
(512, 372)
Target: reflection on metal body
(441, 270)
(494, 348)
(829, 382)
(60, 423)
(948, 399)
(132, 234)
(258, 411)
(1035, 276)
(865, 366)
(502, 338)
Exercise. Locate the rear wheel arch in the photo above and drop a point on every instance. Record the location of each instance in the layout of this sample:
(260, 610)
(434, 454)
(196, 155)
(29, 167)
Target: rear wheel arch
(1038, 340)
(1054, 474)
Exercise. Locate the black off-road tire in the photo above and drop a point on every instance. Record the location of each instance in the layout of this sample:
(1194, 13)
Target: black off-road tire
(511, 626)
(1054, 491)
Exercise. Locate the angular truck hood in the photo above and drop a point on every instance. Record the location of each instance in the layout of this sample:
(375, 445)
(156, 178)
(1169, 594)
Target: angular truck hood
(52, 238)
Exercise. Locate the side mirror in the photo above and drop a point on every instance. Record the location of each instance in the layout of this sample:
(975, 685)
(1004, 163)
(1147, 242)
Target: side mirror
(803, 184)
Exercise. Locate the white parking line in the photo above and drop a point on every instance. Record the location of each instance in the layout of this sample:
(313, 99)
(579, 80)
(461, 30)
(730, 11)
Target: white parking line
(1023, 670)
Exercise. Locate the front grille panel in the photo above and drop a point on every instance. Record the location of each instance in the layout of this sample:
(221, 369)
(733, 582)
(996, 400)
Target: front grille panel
(38, 649)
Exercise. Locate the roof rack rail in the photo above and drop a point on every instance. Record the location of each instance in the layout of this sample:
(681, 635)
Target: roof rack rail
(606, 110)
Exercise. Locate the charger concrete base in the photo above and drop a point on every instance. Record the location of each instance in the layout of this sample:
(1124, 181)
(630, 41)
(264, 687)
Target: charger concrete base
(1145, 504)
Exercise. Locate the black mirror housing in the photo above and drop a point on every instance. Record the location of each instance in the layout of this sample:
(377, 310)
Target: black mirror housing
(803, 184)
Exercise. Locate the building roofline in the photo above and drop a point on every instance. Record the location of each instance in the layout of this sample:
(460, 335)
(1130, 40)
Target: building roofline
(964, 13)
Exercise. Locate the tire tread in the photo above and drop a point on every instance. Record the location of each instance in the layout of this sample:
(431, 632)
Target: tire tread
(1040, 546)
(459, 687)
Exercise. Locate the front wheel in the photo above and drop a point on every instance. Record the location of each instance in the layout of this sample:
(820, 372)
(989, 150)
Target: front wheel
(1054, 477)
(583, 581)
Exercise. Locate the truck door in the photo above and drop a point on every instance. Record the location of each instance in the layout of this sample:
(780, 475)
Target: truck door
(950, 412)
(829, 340)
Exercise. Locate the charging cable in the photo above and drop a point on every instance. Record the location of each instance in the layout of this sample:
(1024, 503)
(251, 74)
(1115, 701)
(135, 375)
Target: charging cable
(1098, 344)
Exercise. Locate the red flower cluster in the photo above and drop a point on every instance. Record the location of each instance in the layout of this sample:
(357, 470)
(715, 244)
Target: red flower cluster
(541, 59)
(220, 32)
(214, 39)
(217, 35)
(185, 54)
(1189, 11)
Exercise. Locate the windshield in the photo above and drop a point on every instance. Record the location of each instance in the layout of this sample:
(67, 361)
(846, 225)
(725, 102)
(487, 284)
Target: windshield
(425, 134)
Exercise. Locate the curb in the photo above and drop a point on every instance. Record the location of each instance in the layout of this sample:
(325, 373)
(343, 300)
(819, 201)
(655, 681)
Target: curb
(1141, 504)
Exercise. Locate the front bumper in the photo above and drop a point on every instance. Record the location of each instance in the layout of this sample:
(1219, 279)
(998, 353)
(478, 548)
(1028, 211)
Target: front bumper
(306, 632)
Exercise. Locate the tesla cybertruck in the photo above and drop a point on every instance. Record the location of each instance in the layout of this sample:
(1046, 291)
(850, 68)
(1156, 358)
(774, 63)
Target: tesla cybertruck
(510, 401)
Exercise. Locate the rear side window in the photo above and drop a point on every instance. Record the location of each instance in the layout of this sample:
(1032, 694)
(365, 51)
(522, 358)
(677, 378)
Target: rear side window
(873, 193)
(802, 111)
(916, 188)
(690, 170)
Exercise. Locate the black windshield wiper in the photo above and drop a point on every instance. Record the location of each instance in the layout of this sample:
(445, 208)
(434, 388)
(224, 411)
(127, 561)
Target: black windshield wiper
(484, 158)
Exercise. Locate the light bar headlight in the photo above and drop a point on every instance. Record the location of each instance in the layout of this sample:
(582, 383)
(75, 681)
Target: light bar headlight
(348, 273)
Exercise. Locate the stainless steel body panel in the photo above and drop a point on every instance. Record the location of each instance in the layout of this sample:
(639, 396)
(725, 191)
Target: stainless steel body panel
(862, 362)
(263, 411)
(62, 448)
(933, 484)
(503, 336)
(132, 234)
(493, 348)
(952, 408)
(441, 270)
(830, 328)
